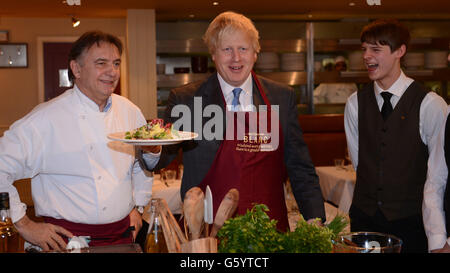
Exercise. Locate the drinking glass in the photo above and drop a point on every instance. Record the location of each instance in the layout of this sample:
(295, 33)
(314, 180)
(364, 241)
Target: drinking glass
(168, 176)
(339, 163)
(180, 171)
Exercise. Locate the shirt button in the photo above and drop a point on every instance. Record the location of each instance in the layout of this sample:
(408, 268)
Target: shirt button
(99, 177)
(104, 208)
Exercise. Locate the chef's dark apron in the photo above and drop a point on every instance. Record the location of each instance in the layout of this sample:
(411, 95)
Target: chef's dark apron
(257, 173)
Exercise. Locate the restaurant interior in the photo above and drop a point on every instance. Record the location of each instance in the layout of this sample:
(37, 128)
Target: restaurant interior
(300, 41)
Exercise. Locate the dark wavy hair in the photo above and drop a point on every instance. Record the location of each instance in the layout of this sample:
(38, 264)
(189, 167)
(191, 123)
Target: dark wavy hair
(386, 32)
(86, 41)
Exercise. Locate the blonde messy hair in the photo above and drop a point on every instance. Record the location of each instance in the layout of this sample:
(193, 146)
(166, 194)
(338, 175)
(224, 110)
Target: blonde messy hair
(229, 22)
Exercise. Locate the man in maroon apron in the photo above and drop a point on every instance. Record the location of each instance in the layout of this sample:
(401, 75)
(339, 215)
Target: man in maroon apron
(254, 162)
(241, 163)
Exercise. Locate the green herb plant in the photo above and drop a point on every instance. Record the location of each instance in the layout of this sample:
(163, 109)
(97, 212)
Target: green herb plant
(255, 232)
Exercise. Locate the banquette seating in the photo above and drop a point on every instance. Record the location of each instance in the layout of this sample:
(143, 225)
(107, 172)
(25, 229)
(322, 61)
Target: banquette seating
(325, 136)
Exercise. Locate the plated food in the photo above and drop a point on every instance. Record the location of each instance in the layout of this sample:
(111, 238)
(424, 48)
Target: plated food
(155, 129)
(154, 133)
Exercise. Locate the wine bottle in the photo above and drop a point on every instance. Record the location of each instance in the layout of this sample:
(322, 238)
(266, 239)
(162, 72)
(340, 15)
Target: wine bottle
(155, 241)
(9, 237)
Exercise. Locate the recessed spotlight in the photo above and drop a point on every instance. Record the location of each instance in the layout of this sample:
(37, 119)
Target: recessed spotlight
(351, 4)
(191, 15)
(75, 22)
(215, 3)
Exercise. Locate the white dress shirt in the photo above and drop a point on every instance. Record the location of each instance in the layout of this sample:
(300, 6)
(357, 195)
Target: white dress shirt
(431, 118)
(245, 99)
(433, 211)
(76, 172)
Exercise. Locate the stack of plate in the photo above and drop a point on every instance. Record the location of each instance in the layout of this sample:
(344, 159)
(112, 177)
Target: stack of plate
(414, 60)
(435, 59)
(355, 61)
(267, 61)
(293, 61)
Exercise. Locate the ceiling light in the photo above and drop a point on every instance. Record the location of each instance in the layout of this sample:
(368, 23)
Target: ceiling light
(215, 3)
(351, 4)
(373, 2)
(72, 2)
(75, 22)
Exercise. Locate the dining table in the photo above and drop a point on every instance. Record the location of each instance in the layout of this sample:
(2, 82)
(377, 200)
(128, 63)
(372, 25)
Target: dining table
(337, 184)
(170, 191)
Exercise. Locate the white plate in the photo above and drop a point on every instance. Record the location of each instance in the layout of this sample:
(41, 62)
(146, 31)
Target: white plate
(183, 136)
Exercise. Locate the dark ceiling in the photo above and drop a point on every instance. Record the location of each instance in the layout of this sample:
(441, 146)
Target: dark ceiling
(170, 10)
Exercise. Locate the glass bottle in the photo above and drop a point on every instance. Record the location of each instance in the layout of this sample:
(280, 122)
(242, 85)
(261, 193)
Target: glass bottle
(155, 241)
(9, 237)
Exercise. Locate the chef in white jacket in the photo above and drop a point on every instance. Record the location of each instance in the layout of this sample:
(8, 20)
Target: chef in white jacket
(335, 92)
(82, 183)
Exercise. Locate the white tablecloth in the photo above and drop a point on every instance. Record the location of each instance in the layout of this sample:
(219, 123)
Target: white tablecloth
(337, 185)
(170, 193)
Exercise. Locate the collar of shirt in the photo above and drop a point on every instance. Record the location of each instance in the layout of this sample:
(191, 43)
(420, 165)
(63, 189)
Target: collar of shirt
(245, 98)
(397, 89)
(85, 100)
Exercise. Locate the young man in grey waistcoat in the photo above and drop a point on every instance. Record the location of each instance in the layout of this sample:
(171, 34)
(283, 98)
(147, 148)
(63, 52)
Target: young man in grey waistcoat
(391, 126)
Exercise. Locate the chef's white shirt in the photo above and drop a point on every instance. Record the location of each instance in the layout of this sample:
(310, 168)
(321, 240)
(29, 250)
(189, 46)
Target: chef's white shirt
(431, 119)
(76, 172)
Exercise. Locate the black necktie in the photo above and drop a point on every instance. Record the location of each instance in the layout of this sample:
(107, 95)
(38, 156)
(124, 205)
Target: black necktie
(386, 109)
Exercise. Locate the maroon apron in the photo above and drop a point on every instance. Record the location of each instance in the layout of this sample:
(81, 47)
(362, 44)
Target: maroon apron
(102, 234)
(244, 163)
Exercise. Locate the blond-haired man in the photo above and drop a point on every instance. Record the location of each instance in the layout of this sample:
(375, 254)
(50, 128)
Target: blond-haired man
(230, 162)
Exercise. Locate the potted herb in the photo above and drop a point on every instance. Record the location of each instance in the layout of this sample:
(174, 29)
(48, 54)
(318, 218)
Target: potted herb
(255, 232)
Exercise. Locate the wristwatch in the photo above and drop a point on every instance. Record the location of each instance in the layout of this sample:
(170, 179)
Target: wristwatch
(140, 209)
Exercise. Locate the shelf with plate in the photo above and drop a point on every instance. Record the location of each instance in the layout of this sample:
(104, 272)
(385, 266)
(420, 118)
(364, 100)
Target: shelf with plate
(330, 47)
(180, 79)
(189, 47)
(294, 78)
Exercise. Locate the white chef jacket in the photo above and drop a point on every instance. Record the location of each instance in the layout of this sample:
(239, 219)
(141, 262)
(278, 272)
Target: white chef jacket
(333, 92)
(431, 119)
(76, 172)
